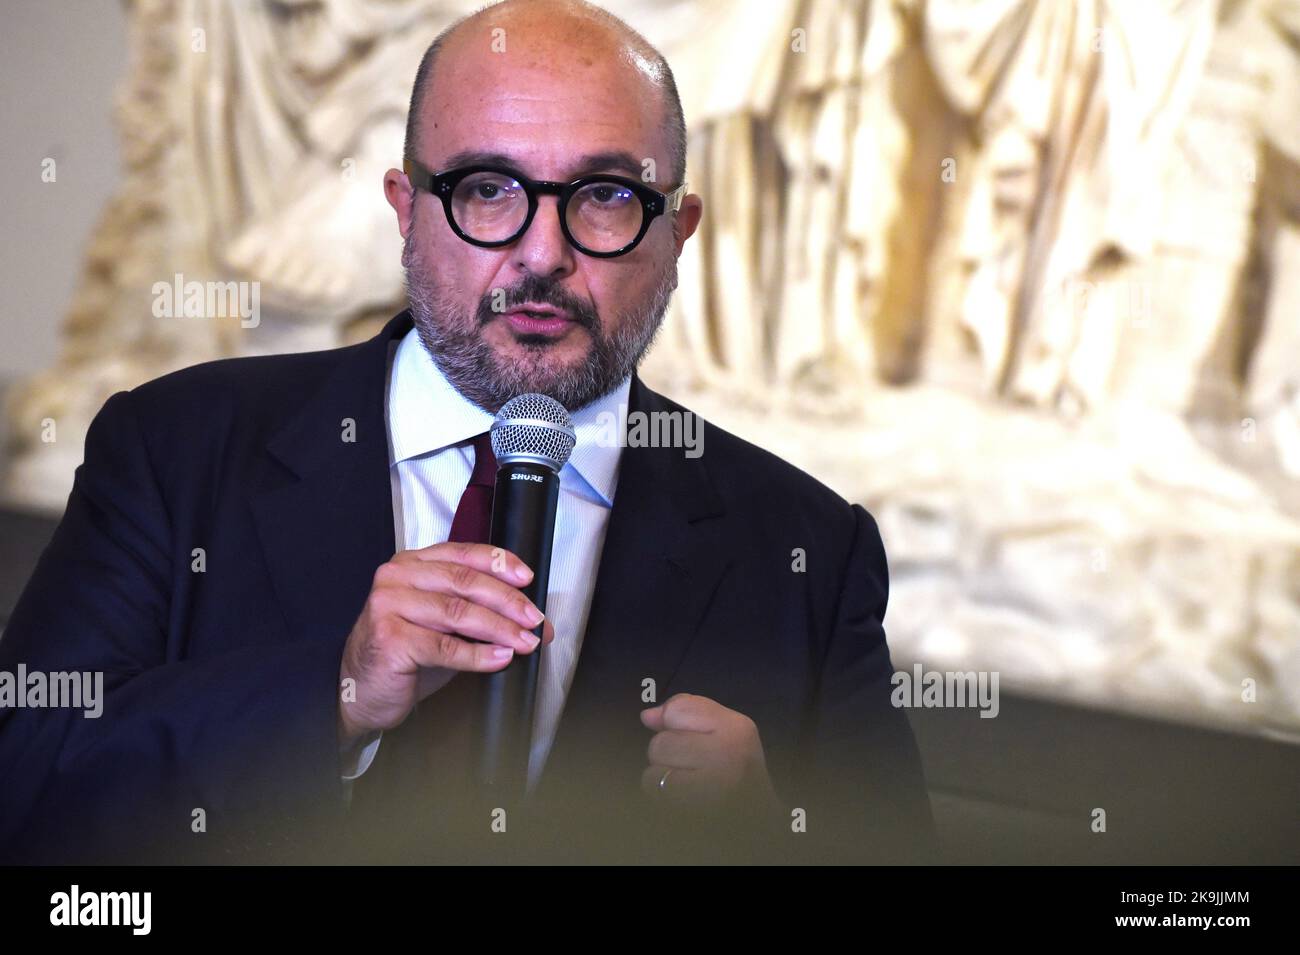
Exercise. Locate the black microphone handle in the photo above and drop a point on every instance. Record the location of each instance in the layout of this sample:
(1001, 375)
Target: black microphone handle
(523, 522)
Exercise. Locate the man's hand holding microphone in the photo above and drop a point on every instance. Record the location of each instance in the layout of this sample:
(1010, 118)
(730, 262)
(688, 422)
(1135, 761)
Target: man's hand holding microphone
(453, 605)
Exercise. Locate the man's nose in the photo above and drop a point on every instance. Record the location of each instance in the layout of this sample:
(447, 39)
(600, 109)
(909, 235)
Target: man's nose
(543, 249)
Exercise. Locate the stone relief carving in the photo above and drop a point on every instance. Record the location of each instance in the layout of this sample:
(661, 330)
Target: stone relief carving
(1023, 277)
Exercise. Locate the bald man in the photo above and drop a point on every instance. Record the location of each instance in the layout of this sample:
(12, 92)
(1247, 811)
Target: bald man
(714, 672)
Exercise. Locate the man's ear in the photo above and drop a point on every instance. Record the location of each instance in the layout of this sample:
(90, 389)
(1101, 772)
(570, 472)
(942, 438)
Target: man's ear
(688, 219)
(401, 196)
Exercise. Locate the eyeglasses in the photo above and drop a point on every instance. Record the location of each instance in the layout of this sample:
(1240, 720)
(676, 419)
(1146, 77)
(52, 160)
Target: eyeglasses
(492, 206)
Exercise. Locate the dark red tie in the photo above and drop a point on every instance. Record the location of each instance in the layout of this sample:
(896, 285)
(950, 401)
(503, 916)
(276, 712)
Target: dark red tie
(473, 520)
(423, 761)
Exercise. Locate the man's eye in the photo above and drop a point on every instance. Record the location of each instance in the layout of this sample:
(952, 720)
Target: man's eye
(488, 190)
(607, 194)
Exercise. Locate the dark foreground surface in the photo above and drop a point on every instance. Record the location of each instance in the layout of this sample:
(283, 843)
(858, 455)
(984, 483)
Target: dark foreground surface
(1024, 787)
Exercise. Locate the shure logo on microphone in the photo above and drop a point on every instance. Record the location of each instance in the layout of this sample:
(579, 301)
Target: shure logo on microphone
(520, 476)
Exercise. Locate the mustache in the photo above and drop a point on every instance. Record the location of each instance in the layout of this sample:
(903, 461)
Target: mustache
(543, 291)
(533, 288)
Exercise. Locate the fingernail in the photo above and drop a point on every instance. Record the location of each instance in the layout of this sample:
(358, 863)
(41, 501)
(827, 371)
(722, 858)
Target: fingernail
(523, 573)
(503, 653)
(529, 639)
(535, 616)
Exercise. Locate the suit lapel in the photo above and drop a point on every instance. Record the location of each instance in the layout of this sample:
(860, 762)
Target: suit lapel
(662, 559)
(326, 529)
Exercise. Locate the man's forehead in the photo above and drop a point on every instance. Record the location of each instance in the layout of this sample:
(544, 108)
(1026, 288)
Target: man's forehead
(542, 77)
(546, 123)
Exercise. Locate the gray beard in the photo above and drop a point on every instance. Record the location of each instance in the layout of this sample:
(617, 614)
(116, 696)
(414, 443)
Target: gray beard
(455, 342)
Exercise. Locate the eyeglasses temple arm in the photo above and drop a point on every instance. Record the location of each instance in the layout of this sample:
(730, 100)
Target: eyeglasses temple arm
(420, 177)
(675, 198)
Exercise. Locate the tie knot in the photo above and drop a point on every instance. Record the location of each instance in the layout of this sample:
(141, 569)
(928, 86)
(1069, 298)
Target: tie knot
(485, 462)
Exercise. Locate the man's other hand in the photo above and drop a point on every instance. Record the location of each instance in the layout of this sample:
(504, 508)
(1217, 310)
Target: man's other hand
(712, 755)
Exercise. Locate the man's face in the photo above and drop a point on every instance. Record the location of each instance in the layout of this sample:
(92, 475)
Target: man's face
(537, 315)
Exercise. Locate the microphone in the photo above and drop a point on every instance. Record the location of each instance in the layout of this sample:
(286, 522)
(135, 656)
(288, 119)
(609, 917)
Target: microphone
(532, 438)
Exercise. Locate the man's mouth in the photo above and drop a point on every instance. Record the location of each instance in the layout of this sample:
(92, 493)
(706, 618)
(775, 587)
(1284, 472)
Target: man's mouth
(534, 319)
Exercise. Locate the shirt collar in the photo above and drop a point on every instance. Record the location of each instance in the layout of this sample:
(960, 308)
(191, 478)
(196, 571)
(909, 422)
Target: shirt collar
(417, 385)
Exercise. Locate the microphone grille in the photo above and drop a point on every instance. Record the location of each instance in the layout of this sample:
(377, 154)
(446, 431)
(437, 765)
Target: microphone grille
(534, 428)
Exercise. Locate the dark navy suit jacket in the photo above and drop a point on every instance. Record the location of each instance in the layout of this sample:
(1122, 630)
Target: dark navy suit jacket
(219, 543)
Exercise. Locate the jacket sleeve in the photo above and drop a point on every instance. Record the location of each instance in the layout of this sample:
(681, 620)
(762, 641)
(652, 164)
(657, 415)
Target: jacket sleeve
(242, 745)
(867, 800)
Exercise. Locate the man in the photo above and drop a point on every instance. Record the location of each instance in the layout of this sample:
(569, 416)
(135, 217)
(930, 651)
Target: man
(278, 563)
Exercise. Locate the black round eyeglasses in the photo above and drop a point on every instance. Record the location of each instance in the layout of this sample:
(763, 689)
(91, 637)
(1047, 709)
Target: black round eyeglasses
(492, 206)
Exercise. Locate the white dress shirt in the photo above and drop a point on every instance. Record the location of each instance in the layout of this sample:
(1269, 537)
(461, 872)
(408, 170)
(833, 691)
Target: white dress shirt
(430, 425)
